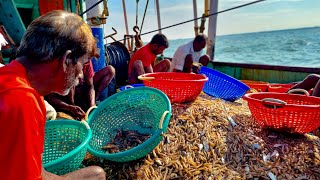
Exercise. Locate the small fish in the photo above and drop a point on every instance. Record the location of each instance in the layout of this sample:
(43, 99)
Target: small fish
(272, 176)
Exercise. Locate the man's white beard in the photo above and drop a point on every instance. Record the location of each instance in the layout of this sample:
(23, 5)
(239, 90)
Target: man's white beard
(66, 91)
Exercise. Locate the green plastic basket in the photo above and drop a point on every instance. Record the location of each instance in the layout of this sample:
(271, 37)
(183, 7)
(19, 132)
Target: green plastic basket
(143, 109)
(65, 145)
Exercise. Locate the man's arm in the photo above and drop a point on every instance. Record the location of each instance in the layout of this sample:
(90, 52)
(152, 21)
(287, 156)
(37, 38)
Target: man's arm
(148, 69)
(91, 95)
(57, 103)
(50, 176)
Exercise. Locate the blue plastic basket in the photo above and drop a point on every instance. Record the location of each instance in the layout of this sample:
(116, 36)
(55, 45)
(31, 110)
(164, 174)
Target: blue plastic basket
(223, 86)
(122, 88)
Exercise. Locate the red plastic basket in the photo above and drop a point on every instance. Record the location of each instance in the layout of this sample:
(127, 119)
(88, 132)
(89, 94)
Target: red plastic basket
(285, 112)
(281, 88)
(259, 86)
(179, 87)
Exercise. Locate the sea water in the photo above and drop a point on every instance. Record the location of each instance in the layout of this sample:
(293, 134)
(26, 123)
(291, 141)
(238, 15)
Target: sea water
(292, 47)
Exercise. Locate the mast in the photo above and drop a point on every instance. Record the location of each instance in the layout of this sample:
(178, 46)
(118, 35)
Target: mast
(158, 15)
(125, 16)
(93, 19)
(212, 28)
(206, 7)
(195, 16)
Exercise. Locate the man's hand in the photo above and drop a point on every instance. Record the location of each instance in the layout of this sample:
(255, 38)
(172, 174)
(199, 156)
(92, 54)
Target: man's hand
(196, 69)
(77, 112)
(3, 42)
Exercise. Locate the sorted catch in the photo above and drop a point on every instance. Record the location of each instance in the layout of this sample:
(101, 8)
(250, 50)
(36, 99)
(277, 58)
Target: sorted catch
(125, 140)
(201, 144)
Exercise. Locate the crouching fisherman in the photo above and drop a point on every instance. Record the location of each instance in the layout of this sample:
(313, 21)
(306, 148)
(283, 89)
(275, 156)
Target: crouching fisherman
(49, 60)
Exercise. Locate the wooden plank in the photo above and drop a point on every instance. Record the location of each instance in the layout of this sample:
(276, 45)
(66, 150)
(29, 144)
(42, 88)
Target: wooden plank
(24, 5)
(267, 73)
(28, 10)
(271, 67)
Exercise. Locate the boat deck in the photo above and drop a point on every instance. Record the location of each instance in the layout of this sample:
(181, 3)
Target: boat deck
(200, 143)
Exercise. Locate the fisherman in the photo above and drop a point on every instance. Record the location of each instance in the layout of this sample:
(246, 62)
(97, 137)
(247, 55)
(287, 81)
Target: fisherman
(187, 56)
(143, 60)
(49, 59)
(312, 81)
(85, 95)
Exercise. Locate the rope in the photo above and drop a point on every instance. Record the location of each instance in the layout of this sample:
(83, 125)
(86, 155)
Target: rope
(219, 12)
(144, 15)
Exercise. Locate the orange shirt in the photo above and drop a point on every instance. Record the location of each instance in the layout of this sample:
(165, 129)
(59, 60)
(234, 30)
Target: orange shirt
(145, 55)
(22, 117)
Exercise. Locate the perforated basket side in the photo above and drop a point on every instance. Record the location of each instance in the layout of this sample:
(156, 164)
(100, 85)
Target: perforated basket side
(65, 145)
(223, 86)
(300, 115)
(137, 109)
(179, 87)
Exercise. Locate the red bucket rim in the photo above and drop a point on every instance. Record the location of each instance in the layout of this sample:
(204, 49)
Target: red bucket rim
(252, 97)
(201, 77)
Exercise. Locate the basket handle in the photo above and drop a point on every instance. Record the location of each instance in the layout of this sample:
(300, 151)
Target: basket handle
(299, 90)
(162, 119)
(88, 112)
(128, 86)
(141, 77)
(85, 123)
(273, 103)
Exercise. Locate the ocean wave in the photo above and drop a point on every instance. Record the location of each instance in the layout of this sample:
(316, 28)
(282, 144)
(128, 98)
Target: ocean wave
(296, 42)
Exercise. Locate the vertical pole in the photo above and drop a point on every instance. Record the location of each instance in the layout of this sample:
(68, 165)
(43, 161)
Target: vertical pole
(126, 25)
(125, 16)
(73, 6)
(212, 28)
(195, 15)
(206, 7)
(97, 31)
(158, 15)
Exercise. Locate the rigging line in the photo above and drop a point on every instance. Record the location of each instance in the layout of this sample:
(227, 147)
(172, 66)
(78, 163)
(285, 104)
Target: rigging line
(243, 5)
(236, 7)
(144, 15)
(94, 5)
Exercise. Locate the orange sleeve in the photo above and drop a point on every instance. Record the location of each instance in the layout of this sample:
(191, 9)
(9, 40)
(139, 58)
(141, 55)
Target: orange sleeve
(22, 132)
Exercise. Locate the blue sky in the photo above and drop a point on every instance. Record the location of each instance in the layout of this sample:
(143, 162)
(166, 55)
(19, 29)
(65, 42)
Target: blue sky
(263, 16)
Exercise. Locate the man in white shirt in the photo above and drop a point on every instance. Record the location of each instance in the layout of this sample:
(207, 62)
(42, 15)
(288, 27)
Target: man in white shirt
(190, 53)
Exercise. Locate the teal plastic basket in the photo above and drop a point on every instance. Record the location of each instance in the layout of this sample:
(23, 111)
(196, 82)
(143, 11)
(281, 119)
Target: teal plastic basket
(65, 145)
(143, 109)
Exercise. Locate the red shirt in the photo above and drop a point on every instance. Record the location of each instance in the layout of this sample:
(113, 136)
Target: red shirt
(88, 72)
(22, 117)
(145, 55)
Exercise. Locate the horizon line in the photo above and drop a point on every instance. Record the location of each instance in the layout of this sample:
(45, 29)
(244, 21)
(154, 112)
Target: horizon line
(240, 33)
